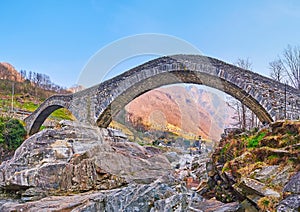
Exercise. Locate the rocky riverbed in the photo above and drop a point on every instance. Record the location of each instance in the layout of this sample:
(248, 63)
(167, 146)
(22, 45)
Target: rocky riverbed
(83, 168)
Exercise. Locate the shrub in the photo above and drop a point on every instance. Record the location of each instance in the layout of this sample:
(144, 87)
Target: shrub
(267, 203)
(12, 133)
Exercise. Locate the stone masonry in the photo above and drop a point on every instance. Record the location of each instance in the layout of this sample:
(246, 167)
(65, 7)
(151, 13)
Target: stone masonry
(268, 99)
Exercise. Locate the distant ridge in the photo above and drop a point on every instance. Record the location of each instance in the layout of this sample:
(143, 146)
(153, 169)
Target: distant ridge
(8, 72)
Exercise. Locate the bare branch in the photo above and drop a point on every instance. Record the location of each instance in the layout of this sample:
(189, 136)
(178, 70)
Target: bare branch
(277, 70)
(244, 117)
(244, 63)
(291, 62)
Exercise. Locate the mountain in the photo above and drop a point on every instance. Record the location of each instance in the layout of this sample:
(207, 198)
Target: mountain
(185, 110)
(75, 88)
(8, 72)
(22, 92)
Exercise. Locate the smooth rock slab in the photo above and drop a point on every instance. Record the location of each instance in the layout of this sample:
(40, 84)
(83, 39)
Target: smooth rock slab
(253, 189)
(282, 177)
(215, 206)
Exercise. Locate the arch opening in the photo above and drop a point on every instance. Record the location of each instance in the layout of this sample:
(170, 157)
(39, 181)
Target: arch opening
(54, 109)
(184, 76)
(184, 110)
(42, 117)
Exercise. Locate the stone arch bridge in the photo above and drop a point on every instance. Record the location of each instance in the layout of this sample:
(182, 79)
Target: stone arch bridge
(268, 99)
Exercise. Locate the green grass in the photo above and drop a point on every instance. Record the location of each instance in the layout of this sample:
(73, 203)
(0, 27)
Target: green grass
(59, 114)
(62, 114)
(6, 105)
(30, 106)
(225, 168)
(254, 141)
(271, 157)
(42, 127)
(224, 149)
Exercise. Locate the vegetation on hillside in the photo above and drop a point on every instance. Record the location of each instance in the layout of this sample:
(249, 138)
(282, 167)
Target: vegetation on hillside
(20, 94)
(27, 97)
(12, 133)
(163, 139)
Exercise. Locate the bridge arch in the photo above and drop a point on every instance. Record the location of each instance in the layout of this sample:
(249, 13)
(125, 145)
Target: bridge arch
(268, 99)
(184, 76)
(37, 118)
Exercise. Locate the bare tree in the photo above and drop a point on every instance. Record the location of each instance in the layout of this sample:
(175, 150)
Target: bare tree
(277, 70)
(245, 64)
(288, 64)
(291, 64)
(235, 106)
(244, 117)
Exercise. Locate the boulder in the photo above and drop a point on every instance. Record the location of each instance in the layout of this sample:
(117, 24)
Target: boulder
(173, 157)
(117, 135)
(291, 203)
(293, 185)
(78, 158)
(266, 173)
(282, 177)
(160, 195)
(248, 206)
(213, 205)
(254, 190)
(134, 197)
(254, 186)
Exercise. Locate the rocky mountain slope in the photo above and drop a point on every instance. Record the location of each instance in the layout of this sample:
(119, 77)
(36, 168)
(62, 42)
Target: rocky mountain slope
(184, 110)
(262, 168)
(21, 93)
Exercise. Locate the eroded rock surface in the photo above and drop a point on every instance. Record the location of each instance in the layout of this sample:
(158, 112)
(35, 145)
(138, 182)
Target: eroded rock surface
(292, 202)
(78, 158)
(258, 168)
(293, 185)
(165, 194)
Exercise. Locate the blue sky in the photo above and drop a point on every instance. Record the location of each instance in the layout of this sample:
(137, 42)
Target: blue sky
(57, 37)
